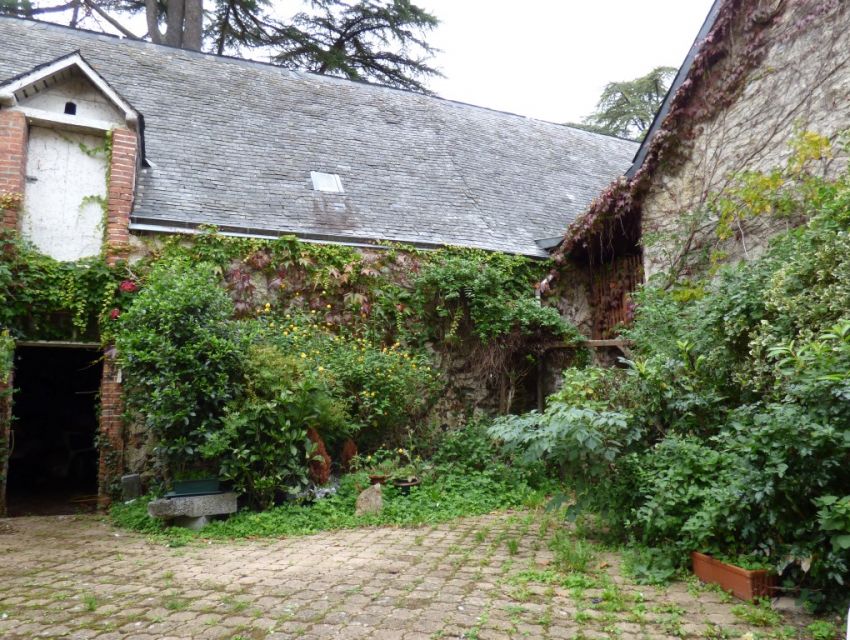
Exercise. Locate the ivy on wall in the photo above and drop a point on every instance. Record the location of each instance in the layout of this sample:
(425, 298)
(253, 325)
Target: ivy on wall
(737, 44)
(42, 298)
(453, 298)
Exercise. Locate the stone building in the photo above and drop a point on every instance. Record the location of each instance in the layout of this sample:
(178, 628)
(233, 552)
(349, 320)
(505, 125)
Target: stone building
(104, 141)
(760, 73)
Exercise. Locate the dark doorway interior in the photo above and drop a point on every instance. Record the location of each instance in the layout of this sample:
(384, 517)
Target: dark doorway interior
(53, 463)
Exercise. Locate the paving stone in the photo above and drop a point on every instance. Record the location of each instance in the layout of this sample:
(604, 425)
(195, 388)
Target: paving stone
(398, 584)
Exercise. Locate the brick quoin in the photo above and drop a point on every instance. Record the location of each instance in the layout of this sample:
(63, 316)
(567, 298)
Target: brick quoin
(13, 160)
(120, 193)
(111, 440)
(122, 182)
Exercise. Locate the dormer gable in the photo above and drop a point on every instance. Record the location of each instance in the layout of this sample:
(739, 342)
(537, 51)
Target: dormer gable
(70, 146)
(68, 93)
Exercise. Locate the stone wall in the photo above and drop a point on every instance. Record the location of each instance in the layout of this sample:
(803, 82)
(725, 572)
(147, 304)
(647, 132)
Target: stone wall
(472, 388)
(801, 84)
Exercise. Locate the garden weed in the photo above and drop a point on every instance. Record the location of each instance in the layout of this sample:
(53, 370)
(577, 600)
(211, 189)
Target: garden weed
(90, 602)
(759, 613)
(822, 630)
(571, 554)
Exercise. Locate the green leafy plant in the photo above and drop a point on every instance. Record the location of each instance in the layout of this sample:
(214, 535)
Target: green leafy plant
(759, 613)
(42, 298)
(182, 356)
(648, 565)
(822, 630)
(834, 518)
(571, 553)
(728, 430)
(262, 444)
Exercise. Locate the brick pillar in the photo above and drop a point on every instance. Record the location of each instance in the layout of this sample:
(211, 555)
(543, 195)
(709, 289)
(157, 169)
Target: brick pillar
(5, 426)
(111, 436)
(122, 182)
(13, 164)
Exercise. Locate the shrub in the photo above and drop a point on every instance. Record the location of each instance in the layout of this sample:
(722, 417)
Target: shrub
(262, 444)
(386, 389)
(729, 432)
(182, 357)
(491, 293)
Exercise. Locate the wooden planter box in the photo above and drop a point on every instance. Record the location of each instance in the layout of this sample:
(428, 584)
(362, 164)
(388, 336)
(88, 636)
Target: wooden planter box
(742, 583)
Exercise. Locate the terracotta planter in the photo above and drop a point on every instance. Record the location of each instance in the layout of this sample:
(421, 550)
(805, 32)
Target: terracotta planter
(377, 478)
(742, 583)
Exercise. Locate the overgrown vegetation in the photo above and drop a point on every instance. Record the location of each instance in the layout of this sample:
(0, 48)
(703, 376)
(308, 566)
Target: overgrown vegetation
(42, 298)
(455, 485)
(729, 431)
(291, 337)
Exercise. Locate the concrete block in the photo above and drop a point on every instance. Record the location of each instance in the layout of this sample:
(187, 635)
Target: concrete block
(193, 506)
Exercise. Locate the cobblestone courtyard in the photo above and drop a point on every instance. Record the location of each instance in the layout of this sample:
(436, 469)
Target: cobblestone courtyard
(487, 577)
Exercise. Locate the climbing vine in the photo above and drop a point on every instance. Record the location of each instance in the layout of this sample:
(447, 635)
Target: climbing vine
(715, 80)
(11, 201)
(7, 352)
(42, 298)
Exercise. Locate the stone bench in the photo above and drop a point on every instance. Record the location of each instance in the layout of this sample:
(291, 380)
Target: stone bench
(192, 512)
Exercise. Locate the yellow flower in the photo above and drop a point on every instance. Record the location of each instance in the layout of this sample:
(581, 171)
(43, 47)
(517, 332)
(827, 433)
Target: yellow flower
(328, 306)
(303, 355)
(321, 369)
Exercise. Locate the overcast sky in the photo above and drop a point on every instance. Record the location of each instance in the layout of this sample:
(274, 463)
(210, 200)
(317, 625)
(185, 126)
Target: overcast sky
(550, 59)
(547, 59)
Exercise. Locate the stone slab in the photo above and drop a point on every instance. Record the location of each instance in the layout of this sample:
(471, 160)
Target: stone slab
(131, 486)
(193, 506)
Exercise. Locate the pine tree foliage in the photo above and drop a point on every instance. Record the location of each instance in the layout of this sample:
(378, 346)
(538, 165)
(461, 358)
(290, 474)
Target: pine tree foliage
(362, 40)
(382, 41)
(626, 109)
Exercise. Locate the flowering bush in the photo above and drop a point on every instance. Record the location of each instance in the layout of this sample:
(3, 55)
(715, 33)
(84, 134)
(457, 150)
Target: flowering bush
(385, 388)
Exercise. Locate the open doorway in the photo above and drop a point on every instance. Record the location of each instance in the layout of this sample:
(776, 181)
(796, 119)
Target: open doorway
(53, 459)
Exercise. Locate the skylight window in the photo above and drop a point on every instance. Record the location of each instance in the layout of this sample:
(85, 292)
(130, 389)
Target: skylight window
(327, 182)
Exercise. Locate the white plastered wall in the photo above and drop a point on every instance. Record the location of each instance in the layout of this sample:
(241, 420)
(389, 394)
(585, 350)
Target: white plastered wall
(90, 102)
(65, 178)
(63, 215)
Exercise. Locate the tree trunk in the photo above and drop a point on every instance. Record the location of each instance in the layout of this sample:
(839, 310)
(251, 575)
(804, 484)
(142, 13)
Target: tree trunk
(193, 25)
(152, 16)
(175, 10)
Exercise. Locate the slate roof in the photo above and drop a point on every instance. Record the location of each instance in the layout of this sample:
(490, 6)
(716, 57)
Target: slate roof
(232, 143)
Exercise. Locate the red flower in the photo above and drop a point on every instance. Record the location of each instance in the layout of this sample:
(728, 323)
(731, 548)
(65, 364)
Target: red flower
(115, 313)
(129, 286)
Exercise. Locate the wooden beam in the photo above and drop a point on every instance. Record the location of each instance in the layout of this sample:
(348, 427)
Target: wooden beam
(58, 344)
(619, 343)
